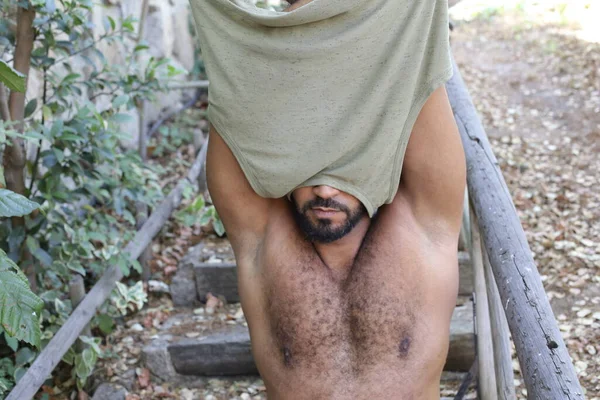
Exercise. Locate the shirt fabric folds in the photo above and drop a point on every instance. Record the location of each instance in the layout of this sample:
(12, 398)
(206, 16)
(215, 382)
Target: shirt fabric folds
(326, 94)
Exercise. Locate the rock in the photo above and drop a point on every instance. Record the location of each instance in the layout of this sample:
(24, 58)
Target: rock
(183, 284)
(157, 359)
(137, 327)
(158, 286)
(110, 391)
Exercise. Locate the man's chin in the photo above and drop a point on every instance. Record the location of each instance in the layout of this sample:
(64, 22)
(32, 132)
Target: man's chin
(329, 235)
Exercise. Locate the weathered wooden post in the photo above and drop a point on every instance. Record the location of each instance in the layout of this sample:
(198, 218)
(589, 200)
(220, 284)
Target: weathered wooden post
(485, 347)
(502, 358)
(76, 294)
(545, 363)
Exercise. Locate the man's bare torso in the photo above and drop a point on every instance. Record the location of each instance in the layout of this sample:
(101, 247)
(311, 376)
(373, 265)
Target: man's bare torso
(378, 328)
(375, 327)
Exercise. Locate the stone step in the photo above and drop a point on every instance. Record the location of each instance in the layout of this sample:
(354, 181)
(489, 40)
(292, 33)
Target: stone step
(194, 279)
(225, 350)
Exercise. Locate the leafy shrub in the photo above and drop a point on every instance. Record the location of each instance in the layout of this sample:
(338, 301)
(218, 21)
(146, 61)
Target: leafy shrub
(86, 185)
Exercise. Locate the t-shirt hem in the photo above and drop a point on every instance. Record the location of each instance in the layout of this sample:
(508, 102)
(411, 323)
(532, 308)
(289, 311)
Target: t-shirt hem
(237, 153)
(421, 98)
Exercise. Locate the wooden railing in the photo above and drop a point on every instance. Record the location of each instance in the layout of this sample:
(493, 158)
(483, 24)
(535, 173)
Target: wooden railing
(546, 367)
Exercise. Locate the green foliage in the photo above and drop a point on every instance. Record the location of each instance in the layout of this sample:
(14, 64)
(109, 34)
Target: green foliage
(125, 299)
(12, 79)
(84, 183)
(197, 212)
(15, 205)
(83, 363)
(19, 307)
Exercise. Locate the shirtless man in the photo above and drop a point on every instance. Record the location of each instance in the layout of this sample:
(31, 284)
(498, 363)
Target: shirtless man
(340, 305)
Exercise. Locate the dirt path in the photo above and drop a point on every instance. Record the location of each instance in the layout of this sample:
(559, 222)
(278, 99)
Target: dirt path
(536, 86)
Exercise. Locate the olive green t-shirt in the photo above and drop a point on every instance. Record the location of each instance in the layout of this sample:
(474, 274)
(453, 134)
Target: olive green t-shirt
(326, 94)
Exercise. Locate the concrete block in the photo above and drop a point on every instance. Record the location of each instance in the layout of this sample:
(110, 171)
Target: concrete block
(217, 278)
(222, 353)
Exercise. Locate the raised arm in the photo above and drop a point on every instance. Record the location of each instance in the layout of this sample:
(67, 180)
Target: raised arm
(243, 212)
(434, 171)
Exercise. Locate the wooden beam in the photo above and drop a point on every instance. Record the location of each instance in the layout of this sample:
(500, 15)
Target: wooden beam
(485, 346)
(505, 378)
(42, 367)
(545, 363)
(188, 85)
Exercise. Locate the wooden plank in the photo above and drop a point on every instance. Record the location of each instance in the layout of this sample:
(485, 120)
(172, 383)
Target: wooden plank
(485, 346)
(40, 370)
(188, 85)
(464, 238)
(545, 363)
(505, 383)
(466, 283)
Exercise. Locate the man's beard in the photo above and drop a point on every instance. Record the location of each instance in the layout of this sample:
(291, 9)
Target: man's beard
(323, 231)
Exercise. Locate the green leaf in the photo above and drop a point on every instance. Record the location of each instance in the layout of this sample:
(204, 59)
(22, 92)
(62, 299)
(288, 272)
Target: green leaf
(120, 100)
(172, 71)
(19, 372)
(105, 323)
(218, 226)
(70, 78)
(13, 79)
(122, 264)
(76, 267)
(11, 342)
(137, 266)
(46, 112)
(205, 219)
(19, 306)
(89, 357)
(69, 356)
(50, 6)
(198, 204)
(30, 108)
(113, 25)
(24, 356)
(141, 47)
(44, 258)
(121, 118)
(93, 343)
(15, 205)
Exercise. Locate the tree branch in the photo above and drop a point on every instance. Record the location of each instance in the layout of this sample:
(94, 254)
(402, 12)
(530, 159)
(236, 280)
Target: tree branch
(14, 155)
(4, 111)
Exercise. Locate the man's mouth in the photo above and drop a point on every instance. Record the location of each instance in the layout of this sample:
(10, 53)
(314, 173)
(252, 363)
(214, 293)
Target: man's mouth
(323, 212)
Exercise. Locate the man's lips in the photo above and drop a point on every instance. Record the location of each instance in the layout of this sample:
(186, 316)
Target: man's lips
(324, 212)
